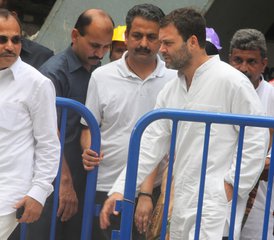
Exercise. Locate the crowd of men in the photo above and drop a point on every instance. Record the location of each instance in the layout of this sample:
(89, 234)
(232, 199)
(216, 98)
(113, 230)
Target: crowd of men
(156, 61)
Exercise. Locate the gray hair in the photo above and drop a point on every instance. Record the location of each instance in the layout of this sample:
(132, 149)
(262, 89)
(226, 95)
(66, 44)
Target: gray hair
(249, 39)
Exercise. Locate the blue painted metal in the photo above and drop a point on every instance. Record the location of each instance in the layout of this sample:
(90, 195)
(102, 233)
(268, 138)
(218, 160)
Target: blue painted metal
(236, 183)
(192, 116)
(269, 193)
(202, 182)
(89, 204)
(58, 177)
(169, 177)
(23, 231)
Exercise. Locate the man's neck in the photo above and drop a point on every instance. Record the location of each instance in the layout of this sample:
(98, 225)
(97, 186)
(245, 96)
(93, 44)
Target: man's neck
(189, 71)
(142, 70)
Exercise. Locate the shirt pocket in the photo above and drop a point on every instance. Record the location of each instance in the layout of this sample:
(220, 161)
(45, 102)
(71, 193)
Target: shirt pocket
(11, 114)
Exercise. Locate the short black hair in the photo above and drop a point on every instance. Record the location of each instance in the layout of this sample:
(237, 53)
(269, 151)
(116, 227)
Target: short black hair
(211, 48)
(188, 22)
(147, 11)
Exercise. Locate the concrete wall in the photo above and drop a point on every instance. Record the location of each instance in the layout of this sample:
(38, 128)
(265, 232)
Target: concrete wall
(55, 33)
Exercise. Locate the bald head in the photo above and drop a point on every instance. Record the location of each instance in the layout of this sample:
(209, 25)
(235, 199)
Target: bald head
(96, 17)
(92, 37)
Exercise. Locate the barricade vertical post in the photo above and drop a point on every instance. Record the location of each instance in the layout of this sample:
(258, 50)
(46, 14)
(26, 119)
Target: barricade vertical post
(23, 229)
(202, 182)
(58, 177)
(89, 206)
(169, 177)
(236, 183)
(269, 193)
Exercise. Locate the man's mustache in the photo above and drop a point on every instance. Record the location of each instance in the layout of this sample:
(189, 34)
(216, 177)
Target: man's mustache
(95, 58)
(8, 54)
(247, 74)
(142, 50)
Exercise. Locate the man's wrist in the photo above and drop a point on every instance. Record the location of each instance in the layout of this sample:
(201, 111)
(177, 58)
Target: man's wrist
(149, 195)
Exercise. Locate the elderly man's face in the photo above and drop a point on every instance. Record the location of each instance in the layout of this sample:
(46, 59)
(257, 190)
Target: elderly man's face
(249, 62)
(10, 41)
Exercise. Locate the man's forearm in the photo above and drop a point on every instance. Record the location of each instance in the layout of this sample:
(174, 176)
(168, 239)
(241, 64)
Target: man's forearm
(85, 138)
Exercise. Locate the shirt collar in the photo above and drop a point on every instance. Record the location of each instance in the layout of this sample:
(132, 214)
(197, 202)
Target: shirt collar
(125, 72)
(211, 61)
(260, 85)
(74, 62)
(15, 69)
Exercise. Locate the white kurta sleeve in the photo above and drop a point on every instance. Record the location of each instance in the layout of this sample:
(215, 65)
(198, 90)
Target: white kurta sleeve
(47, 145)
(255, 145)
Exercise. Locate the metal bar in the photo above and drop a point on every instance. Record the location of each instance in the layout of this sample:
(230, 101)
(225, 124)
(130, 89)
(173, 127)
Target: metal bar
(269, 194)
(236, 183)
(202, 183)
(23, 231)
(58, 177)
(169, 178)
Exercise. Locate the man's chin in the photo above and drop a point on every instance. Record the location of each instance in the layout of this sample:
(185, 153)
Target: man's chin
(94, 61)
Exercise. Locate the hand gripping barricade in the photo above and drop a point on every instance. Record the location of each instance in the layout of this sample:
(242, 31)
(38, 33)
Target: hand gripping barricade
(89, 203)
(127, 205)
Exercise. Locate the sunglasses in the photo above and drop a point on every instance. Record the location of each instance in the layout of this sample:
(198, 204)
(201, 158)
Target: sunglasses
(15, 39)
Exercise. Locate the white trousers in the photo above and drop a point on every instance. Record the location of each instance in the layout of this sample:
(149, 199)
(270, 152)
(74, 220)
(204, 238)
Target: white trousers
(7, 225)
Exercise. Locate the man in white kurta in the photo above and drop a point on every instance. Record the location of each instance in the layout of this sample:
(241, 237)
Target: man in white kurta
(248, 54)
(29, 143)
(232, 93)
(205, 84)
(253, 227)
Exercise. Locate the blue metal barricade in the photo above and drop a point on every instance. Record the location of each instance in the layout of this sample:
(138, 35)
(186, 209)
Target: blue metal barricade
(89, 203)
(127, 205)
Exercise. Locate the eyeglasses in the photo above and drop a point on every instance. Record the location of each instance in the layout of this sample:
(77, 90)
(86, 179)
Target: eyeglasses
(15, 39)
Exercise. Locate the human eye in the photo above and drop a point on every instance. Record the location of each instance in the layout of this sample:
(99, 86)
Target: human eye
(252, 62)
(237, 60)
(107, 46)
(167, 43)
(152, 37)
(137, 36)
(95, 45)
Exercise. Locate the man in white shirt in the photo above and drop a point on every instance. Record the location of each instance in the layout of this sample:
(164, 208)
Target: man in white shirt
(208, 84)
(29, 143)
(248, 54)
(119, 93)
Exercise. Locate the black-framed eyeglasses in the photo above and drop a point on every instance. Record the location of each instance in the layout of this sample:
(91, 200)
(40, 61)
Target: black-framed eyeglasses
(14, 39)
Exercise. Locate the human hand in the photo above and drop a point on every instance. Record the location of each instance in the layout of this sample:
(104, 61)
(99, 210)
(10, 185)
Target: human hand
(68, 201)
(143, 213)
(228, 191)
(33, 209)
(109, 208)
(91, 159)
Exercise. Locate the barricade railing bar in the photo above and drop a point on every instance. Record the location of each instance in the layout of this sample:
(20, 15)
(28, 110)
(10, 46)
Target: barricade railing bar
(89, 202)
(127, 205)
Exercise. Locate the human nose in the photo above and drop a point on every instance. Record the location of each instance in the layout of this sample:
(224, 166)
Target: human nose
(9, 45)
(162, 49)
(243, 67)
(144, 42)
(100, 52)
